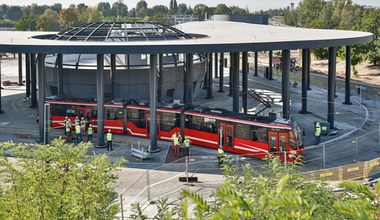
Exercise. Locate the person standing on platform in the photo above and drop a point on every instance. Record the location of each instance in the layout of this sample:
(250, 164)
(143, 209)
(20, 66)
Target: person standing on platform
(176, 145)
(82, 125)
(68, 128)
(109, 140)
(317, 134)
(78, 133)
(65, 124)
(221, 156)
(186, 144)
(90, 132)
(77, 120)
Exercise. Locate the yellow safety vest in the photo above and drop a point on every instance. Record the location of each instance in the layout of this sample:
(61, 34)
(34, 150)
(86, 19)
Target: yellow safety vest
(175, 140)
(109, 136)
(90, 131)
(77, 129)
(317, 131)
(186, 143)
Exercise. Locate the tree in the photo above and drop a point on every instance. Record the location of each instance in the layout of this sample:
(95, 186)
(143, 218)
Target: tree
(201, 9)
(105, 8)
(182, 8)
(141, 8)
(90, 14)
(235, 10)
(26, 23)
(57, 7)
(173, 8)
(49, 21)
(14, 13)
(274, 192)
(57, 181)
(119, 10)
(69, 17)
(157, 9)
(222, 9)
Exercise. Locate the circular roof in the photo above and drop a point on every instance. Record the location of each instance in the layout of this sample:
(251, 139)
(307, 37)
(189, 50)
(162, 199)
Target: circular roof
(118, 32)
(222, 36)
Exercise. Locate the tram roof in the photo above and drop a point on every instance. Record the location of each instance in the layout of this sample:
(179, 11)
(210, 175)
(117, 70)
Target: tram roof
(191, 37)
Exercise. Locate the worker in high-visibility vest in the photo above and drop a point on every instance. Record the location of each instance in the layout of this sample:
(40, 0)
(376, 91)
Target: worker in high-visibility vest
(76, 120)
(68, 128)
(186, 144)
(317, 134)
(90, 132)
(176, 145)
(109, 140)
(221, 156)
(78, 133)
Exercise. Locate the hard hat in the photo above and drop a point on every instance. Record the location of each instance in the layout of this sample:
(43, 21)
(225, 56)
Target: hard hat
(82, 118)
(317, 124)
(76, 116)
(66, 117)
(69, 119)
(109, 130)
(90, 125)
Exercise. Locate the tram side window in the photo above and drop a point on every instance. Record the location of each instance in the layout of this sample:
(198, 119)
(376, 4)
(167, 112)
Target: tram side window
(259, 134)
(58, 110)
(71, 111)
(137, 117)
(168, 121)
(94, 113)
(112, 113)
(196, 123)
(188, 121)
(209, 125)
(243, 131)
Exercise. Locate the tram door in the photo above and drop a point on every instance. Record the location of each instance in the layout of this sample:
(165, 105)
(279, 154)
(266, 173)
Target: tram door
(85, 113)
(277, 143)
(147, 119)
(226, 136)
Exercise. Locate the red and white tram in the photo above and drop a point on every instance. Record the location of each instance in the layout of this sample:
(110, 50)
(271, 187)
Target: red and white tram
(213, 128)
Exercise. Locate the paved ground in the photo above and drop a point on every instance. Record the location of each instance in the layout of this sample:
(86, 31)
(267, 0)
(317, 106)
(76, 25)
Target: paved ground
(18, 124)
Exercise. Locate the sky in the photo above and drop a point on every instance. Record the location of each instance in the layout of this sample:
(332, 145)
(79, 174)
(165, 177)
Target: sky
(253, 5)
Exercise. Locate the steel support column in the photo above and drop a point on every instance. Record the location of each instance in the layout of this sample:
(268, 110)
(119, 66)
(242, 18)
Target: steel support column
(188, 79)
(221, 72)
(209, 77)
(331, 86)
(33, 82)
(113, 75)
(304, 82)
(60, 74)
(235, 82)
(245, 82)
(256, 63)
(308, 68)
(347, 91)
(41, 94)
(20, 83)
(216, 66)
(230, 75)
(270, 77)
(27, 75)
(153, 103)
(285, 83)
(159, 75)
(100, 97)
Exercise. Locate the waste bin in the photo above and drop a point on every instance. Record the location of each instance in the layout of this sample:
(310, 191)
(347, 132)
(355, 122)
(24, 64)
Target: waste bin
(325, 127)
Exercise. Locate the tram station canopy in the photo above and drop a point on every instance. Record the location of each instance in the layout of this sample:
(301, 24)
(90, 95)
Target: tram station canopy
(192, 37)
